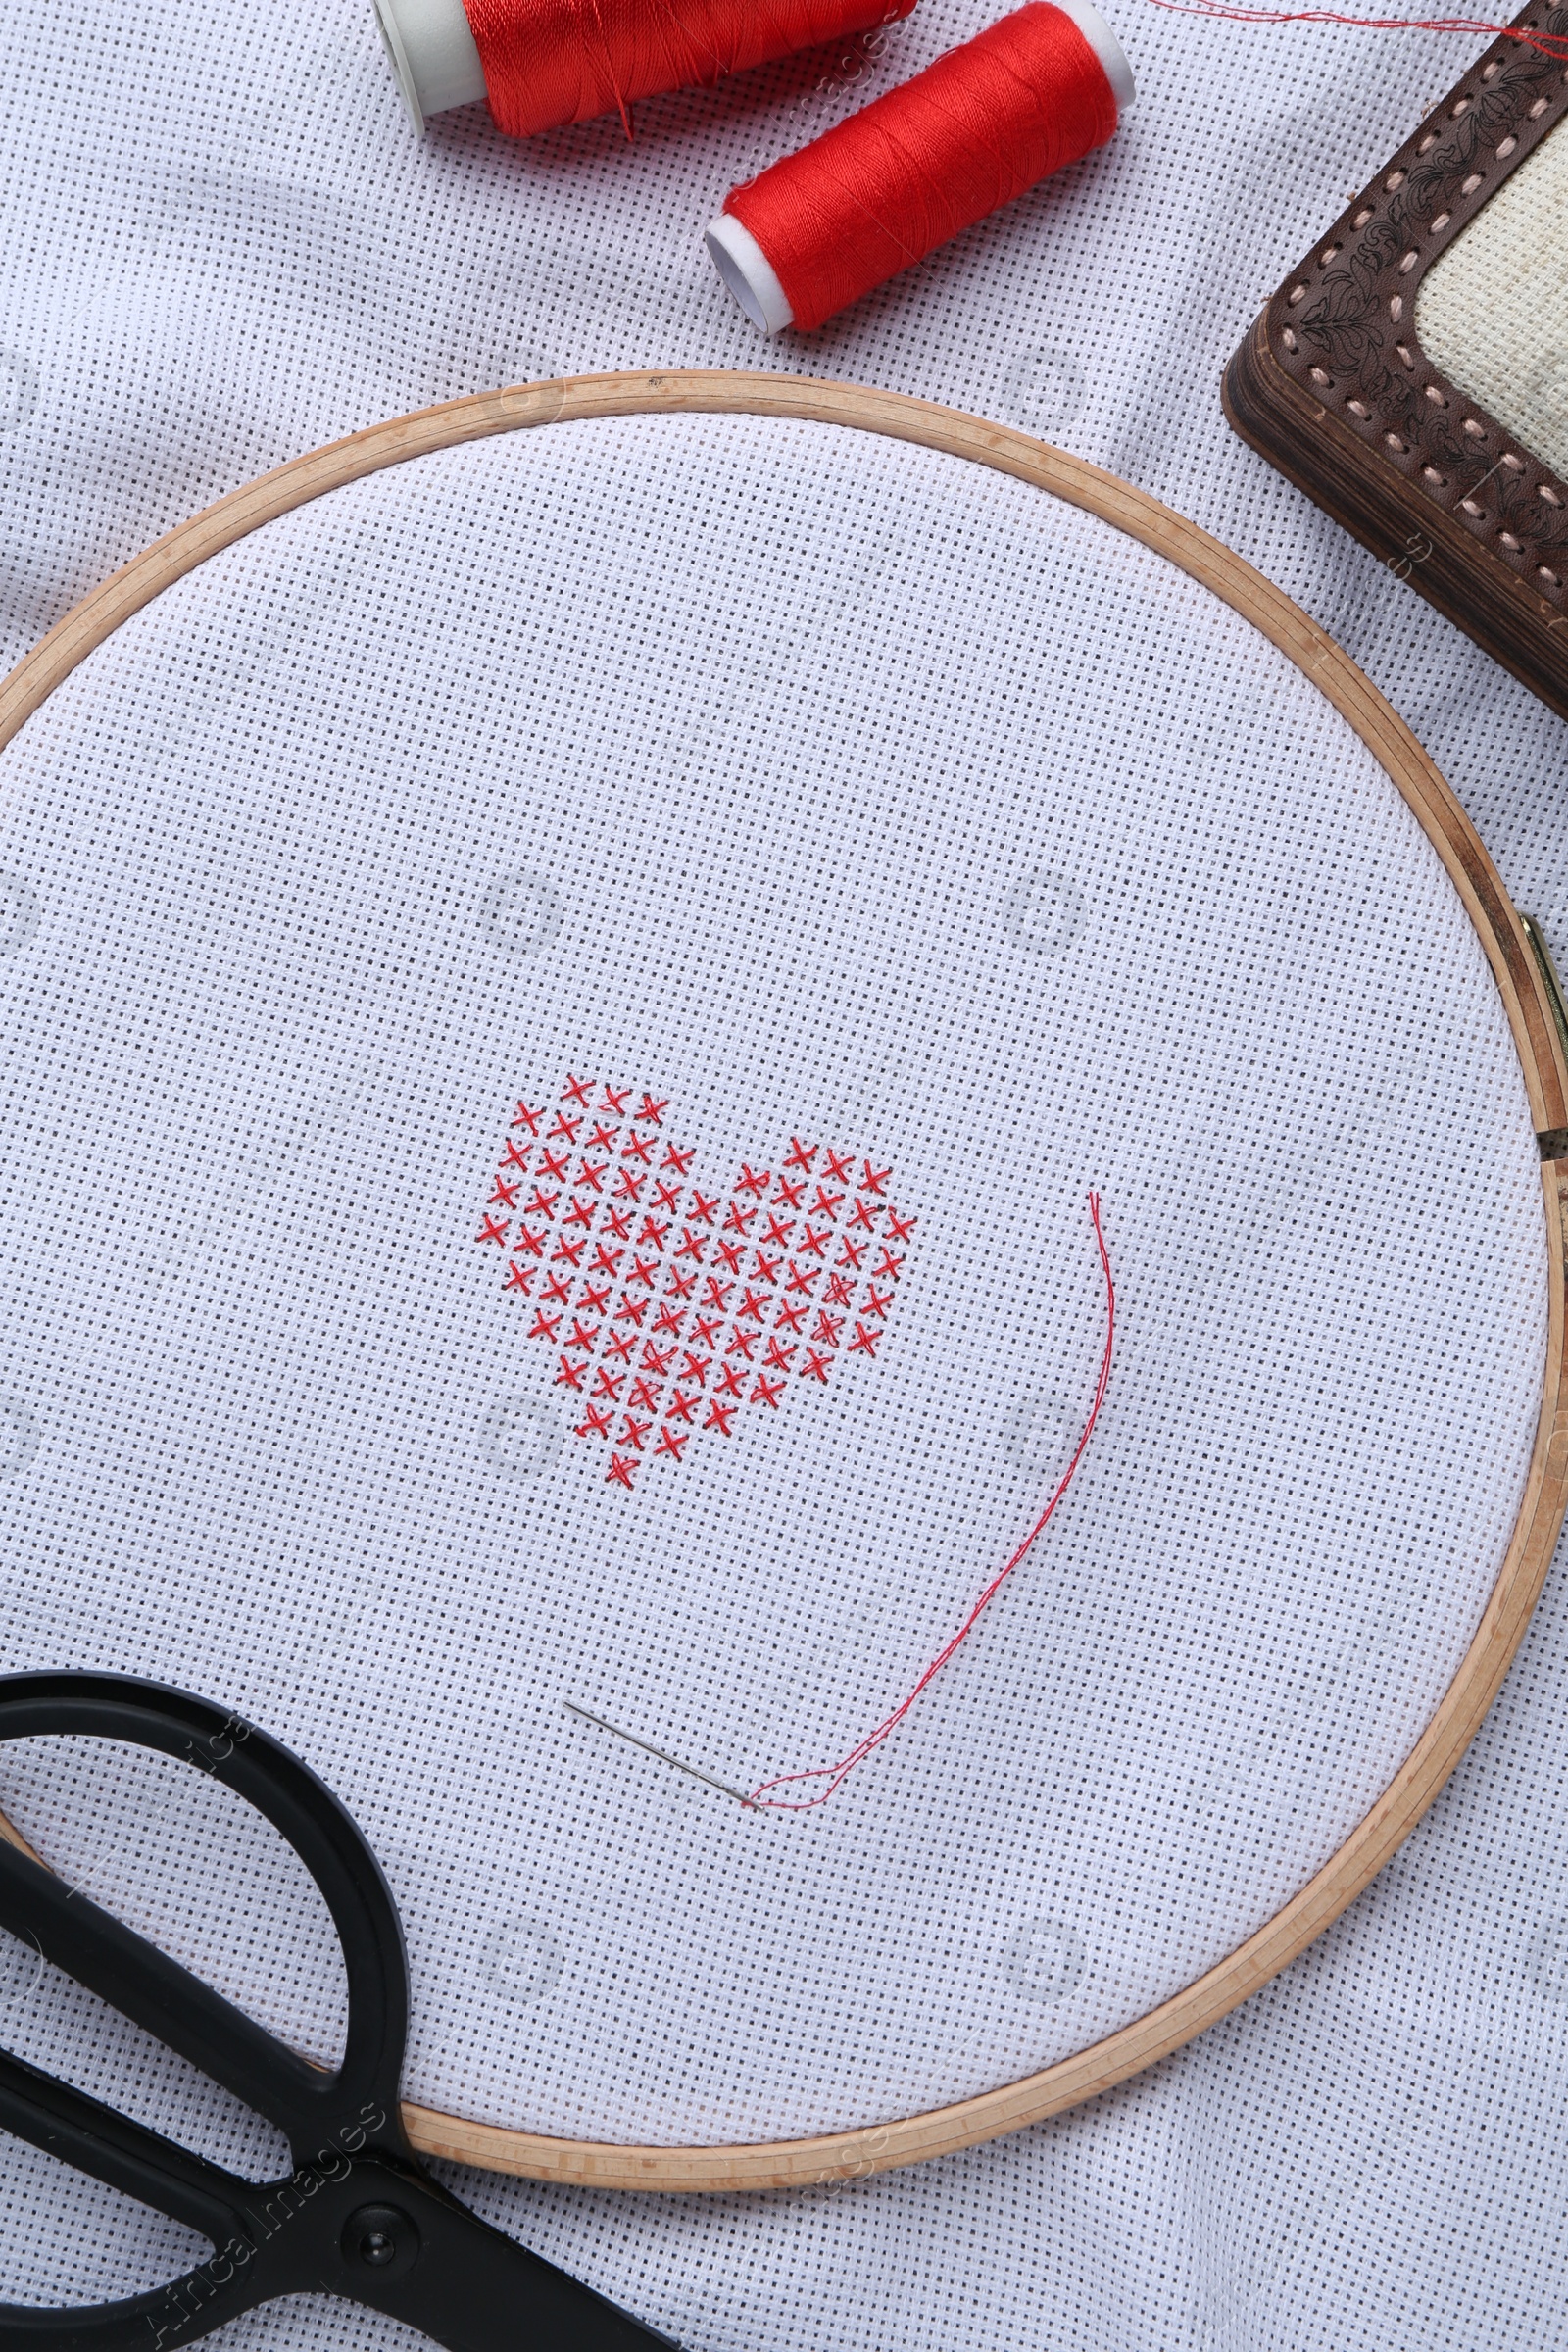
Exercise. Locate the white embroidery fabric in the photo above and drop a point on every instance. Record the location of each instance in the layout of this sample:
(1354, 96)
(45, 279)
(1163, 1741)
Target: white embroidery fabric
(232, 253)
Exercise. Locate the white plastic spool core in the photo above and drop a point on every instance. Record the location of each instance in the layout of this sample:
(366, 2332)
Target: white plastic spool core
(746, 269)
(433, 54)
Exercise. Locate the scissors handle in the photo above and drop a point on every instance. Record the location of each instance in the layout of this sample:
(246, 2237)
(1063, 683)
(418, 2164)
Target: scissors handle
(357, 2216)
(310, 2105)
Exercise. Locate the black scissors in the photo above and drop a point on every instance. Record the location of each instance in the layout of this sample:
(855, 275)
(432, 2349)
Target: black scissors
(358, 2216)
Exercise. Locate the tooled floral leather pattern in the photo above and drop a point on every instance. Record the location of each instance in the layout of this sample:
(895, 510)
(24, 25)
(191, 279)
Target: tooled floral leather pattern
(1343, 324)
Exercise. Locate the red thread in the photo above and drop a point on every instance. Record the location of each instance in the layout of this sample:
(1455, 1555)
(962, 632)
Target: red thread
(971, 133)
(1549, 44)
(550, 61)
(835, 1773)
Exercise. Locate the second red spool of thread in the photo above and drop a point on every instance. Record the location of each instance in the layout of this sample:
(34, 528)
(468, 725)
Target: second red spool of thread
(1034, 92)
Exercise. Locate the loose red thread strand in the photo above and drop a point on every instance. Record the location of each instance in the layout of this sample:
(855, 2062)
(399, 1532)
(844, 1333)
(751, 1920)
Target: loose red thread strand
(1549, 44)
(551, 61)
(836, 1774)
(976, 129)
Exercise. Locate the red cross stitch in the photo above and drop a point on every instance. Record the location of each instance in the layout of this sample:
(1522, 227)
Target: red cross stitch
(766, 1201)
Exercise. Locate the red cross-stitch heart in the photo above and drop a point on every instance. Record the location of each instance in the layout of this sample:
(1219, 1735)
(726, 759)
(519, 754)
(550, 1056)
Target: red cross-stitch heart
(670, 1310)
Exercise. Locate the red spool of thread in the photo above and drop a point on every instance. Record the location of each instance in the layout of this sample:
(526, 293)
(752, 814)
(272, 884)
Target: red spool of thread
(543, 63)
(816, 230)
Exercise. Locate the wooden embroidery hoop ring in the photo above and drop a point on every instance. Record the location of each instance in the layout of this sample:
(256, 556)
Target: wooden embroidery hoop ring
(1540, 1034)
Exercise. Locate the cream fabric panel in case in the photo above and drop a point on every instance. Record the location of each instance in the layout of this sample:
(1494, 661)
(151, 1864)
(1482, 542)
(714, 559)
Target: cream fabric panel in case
(841, 799)
(1493, 312)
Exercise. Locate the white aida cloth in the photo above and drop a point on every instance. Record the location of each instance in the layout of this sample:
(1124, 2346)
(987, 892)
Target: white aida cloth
(1491, 313)
(228, 250)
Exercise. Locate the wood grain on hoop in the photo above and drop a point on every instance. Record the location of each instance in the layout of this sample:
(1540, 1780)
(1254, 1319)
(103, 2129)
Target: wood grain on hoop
(909, 2139)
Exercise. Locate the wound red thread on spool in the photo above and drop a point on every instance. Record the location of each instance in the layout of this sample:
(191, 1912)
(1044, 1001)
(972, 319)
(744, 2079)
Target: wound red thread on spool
(813, 233)
(544, 63)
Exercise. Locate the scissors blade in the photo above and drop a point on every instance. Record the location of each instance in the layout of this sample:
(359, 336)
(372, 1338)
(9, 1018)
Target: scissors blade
(155, 1991)
(129, 2156)
(475, 2289)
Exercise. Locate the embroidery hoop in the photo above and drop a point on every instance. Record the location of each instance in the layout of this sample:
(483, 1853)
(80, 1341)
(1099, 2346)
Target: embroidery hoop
(1536, 1023)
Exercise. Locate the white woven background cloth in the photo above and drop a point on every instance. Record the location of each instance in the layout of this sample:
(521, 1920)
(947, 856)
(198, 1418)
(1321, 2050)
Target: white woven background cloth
(227, 248)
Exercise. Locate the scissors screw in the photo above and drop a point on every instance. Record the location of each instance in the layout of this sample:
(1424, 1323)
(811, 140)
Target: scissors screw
(383, 2237)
